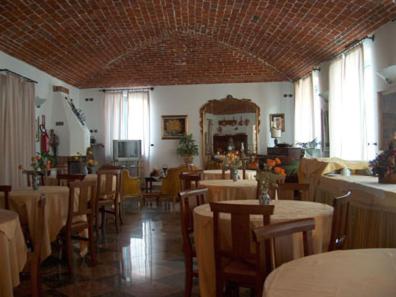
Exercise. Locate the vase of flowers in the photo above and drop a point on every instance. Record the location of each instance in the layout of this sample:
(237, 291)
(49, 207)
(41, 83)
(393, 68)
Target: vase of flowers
(268, 176)
(384, 166)
(233, 162)
(41, 165)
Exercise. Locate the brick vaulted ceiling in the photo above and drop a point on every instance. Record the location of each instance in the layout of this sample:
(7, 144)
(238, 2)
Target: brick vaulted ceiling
(114, 43)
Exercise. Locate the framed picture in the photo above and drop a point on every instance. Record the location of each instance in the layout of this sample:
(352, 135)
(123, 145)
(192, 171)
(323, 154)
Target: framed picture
(174, 126)
(277, 120)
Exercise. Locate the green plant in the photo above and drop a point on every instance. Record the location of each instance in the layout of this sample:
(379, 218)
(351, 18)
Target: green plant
(187, 146)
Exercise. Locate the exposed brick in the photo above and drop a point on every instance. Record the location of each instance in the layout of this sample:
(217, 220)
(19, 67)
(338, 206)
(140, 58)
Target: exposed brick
(115, 43)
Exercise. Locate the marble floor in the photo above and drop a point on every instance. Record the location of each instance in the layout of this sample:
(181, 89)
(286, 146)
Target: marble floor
(144, 260)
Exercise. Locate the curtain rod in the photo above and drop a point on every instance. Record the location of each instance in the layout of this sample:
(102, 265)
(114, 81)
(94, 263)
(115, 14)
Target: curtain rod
(20, 75)
(129, 90)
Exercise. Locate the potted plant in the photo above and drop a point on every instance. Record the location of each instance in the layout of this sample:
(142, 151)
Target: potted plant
(187, 148)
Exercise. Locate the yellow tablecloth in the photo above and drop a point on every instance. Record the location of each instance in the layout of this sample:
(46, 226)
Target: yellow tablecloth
(310, 170)
(25, 202)
(372, 217)
(286, 248)
(349, 273)
(13, 252)
(227, 189)
(217, 174)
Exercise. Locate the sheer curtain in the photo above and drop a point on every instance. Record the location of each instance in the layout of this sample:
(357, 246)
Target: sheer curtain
(16, 128)
(307, 109)
(347, 115)
(127, 117)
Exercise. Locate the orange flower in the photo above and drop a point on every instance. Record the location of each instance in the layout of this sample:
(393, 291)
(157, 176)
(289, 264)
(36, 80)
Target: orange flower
(278, 161)
(271, 163)
(280, 170)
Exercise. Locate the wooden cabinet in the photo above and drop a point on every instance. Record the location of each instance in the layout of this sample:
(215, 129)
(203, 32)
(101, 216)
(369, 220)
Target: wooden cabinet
(285, 154)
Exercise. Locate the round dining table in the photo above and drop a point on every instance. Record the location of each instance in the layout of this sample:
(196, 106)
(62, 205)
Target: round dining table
(287, 248)
(51, 180)
(227, 189)
(25, 203)
(347, 273)
(13, 252)
(217, 174)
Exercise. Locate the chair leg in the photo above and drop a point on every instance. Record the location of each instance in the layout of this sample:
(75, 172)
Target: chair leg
(69, 252)
(91, 241)
(103, 216)
(188, 277)
(35, 278)
(116, 215)
(121, 212)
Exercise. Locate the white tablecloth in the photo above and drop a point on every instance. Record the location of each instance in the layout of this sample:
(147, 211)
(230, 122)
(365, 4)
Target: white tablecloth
(13, 252)
(348, 273)
(286, 248)
(227, 189)
(217, 174)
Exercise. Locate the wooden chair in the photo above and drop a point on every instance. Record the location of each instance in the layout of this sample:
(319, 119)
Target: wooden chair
(76, 223)
(190, 179)
(189, 200)
(5, 189)
(34, 257)
(238, 265)
(290, 191)
(340, 220)
(30, 175)
(264, 234)
(66, 179)
(108, 196)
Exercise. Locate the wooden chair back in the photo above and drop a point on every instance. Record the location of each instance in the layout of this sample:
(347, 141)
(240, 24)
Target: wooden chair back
(66, 179)
(85, 193)
(340, 221)
(37, 245)
(30, 175)
(188, 201)
(190, 179)
(6, 189)
(291, 191)
(108, 183)
(264, 234)
(240, 228)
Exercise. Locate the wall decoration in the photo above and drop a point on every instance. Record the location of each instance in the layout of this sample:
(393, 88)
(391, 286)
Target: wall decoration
(174, 126)
(277, 120)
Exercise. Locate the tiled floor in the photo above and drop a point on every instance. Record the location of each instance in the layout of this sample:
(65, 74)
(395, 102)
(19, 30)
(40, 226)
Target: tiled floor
(144, 260)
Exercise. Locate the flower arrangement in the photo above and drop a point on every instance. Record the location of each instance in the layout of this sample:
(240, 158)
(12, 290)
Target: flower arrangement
(41, 163)
(384, 166)
(91, 162)
(268, 176)
(232, 161)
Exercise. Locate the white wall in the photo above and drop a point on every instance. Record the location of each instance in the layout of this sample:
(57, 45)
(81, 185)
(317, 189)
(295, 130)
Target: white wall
(187, 99)
(44, 85)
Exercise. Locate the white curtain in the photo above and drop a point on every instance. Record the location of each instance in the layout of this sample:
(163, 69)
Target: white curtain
(16, 128)
(347, 117)
(307, 124)
(127, 117)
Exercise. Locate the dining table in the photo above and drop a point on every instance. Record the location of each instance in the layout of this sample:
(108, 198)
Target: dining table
(25, 202)
(13, 252)
(344, 273)
(227, 189)
(218, 174)
(287, 248)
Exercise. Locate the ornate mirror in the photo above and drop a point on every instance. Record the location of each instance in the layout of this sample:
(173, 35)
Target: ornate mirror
(229, 124)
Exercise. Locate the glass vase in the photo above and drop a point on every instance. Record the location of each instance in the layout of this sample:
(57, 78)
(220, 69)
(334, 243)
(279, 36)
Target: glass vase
(234, 174)
(264, 198)
(35, 182)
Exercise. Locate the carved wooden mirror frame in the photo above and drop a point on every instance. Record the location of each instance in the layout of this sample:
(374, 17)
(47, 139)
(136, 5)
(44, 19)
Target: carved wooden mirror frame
(226, 106)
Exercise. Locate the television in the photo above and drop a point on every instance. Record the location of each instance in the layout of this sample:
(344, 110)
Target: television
(127, 150)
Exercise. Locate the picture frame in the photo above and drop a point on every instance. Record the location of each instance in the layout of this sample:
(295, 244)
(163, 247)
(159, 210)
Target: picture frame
(174, 126)
(277, 120)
